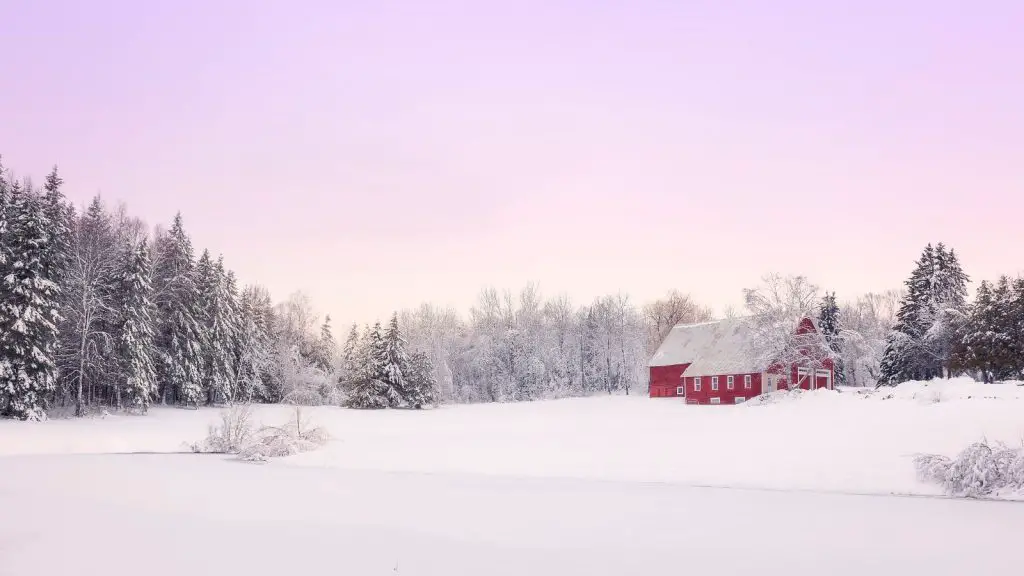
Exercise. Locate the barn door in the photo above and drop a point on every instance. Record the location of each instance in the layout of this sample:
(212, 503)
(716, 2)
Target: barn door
(823, 379)
(802, 378)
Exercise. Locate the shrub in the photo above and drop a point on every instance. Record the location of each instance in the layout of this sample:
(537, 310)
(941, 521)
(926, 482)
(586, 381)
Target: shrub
(979, 470)
(232, 434)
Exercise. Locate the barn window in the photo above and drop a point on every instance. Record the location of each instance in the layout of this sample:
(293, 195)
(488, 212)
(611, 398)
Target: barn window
(679, 391)
(746, 381)
(714, 383)
(696, 384)
(739, 399)
(730, 382)
(716, 400)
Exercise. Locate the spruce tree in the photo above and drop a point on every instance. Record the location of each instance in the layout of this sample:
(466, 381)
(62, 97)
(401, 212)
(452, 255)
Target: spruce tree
(929, 320)
(829, 323)
(349, 358)
(136, 327)
(28, 310)
(254, 345)
(179, 341)
(421, 386)
(395, 362)
(60, 215)
(371, 390)
(218, 329)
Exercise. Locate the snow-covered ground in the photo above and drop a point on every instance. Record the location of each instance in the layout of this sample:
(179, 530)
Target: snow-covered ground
(606, 485)
(201, 515)
(821, 441)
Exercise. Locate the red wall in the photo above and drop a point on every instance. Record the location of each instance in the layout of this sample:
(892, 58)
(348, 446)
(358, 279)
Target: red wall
(726, 395)
(665, 380)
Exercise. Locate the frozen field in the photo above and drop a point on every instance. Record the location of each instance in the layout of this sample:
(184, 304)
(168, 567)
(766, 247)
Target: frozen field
(200, 515)
(824, 441)
(606, 485)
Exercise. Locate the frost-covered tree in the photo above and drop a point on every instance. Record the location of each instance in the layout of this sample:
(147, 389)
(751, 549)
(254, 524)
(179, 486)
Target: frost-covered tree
(829, 324)
(394, 364)
(90, 276)
(180, 334)
(136, 327)
(219, 327)
(371, 389)
(929, 321)
(867, 323)
(664, 314)
(29, 312)
(421, 387)
(254, 346)
(776, 309)
(991, 345)
(60, 217)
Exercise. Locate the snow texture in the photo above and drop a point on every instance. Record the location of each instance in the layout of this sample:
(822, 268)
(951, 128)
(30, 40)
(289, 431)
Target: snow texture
(822, 440)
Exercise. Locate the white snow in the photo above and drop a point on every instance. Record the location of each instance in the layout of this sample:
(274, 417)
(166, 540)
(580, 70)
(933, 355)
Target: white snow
(200, 515)
(819, 441)
(604, 485)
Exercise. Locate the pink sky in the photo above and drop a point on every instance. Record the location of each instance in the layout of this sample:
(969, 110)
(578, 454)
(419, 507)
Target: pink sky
(380, 154)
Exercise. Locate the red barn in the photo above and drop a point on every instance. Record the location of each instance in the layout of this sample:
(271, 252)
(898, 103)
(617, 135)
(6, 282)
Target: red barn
(708, 363)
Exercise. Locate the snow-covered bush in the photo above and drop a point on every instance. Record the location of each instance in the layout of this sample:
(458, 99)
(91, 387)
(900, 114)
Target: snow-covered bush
(979, 470)
(232, 434)
(295, 436)
(236, 435)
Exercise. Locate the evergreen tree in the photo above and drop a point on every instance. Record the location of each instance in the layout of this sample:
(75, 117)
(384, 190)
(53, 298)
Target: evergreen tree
(60, 215)
(350, 358)
(421, 386)
(395, 362)
(929, 321)
(180, 336)
(829, 322)
(255, 347)
(371, 390)
(136, 330)
(28, 310)
(218, 329)
(325, 349)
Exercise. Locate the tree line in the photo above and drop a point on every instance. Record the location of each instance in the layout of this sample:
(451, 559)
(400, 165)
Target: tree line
(97, 311)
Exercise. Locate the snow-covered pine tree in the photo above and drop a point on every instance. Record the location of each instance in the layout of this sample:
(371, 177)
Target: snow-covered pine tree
(180, 335)
(61, 216)
(371, 390)
(829, 323)
(136, 327)
(28, 310)
(421, 386)
(218, 329)
(325, 349)
(905, 356)
(394, 365)
(255, 348)
(349, 358)
(948, 309)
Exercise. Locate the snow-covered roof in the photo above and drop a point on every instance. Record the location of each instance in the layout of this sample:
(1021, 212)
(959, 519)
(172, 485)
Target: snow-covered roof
(711, 348)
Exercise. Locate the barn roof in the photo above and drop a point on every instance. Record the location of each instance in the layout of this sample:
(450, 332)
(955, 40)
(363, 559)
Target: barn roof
(710, 348)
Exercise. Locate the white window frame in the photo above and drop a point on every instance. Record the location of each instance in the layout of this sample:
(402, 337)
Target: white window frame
(680, 391)
(716, 400)
(730, 382)
(739, 400)
(696, 384)
(747, 385)
(714, 383)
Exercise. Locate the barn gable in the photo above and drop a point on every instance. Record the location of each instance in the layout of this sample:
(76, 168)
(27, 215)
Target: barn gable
(710, 348)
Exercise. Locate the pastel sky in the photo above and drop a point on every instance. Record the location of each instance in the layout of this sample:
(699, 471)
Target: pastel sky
(378, 154)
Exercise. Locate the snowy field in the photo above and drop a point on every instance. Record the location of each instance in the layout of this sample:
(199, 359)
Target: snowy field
(605, 485)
